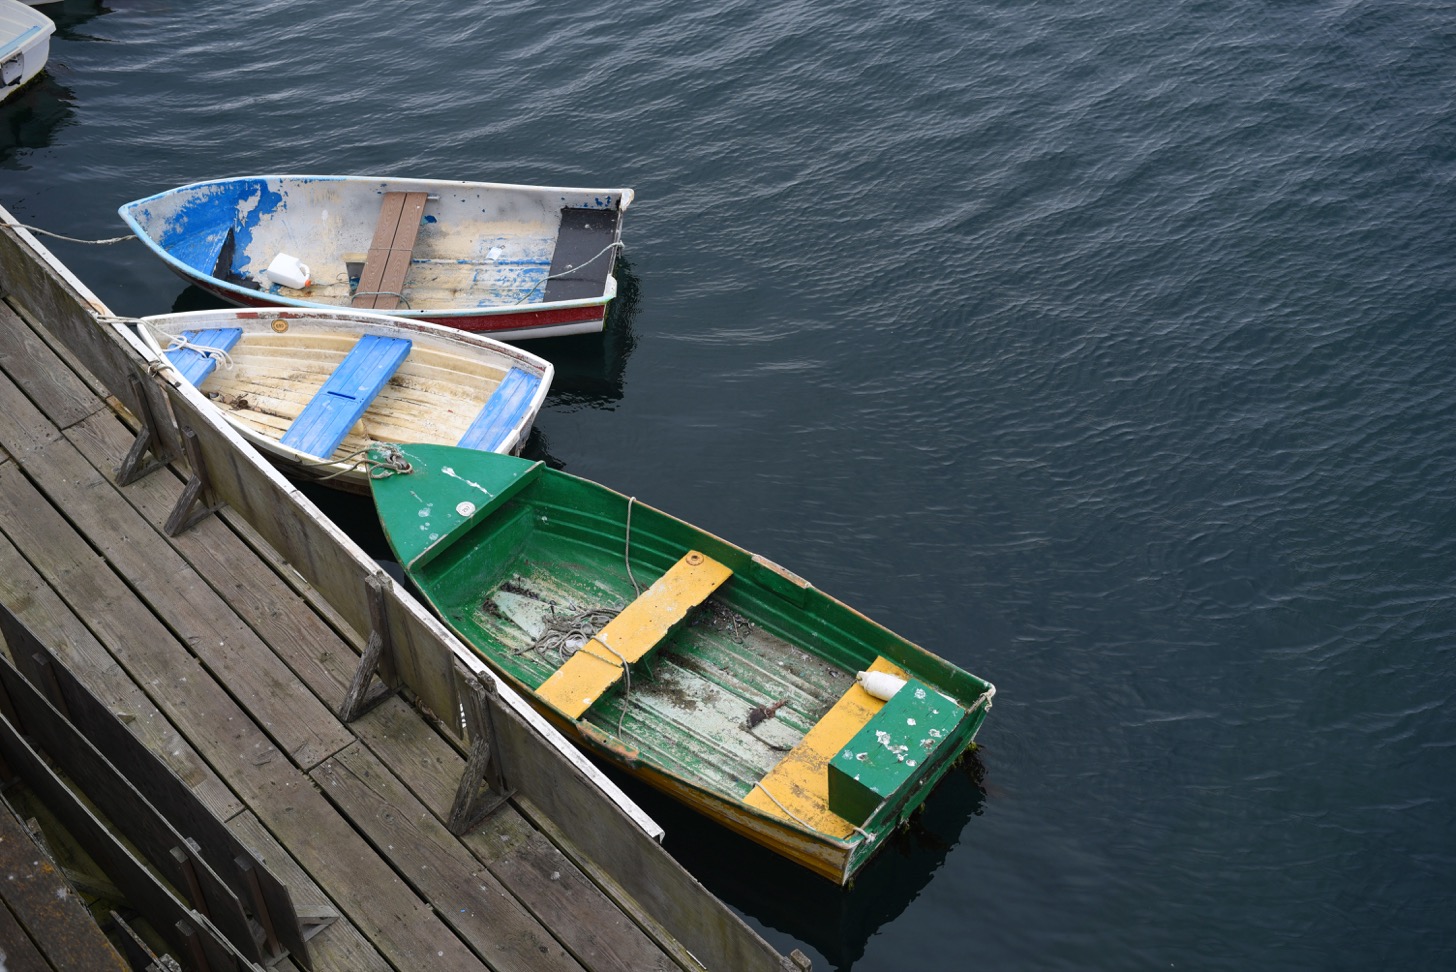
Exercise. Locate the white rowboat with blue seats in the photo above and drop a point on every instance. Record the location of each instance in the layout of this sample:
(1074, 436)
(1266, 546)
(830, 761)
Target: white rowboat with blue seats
(312, 388)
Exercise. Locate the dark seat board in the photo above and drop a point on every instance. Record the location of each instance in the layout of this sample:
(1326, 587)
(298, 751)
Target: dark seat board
(583, 234)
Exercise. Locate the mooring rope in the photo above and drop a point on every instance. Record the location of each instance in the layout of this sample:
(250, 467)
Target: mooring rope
(983, 697)
(217, 354)
(576, 632)
(383, 293)
(70, 239)
(627, 551)
(800, 820)
(617, 245)
(392, 462)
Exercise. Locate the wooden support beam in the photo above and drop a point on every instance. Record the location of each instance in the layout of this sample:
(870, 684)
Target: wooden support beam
(378, 658)
(198, 487)
(149, 437)
(483, 784)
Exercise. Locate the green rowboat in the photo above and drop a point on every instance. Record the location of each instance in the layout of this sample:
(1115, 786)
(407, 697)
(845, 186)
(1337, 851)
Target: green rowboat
(707, 671)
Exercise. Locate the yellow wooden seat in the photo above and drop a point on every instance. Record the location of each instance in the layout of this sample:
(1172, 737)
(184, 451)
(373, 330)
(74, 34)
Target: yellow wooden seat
(631, 635)
(800, 781)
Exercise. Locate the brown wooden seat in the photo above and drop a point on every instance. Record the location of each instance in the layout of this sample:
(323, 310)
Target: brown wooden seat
(382, 279)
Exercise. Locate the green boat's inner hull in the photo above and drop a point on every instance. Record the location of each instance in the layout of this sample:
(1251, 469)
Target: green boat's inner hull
(525, 562)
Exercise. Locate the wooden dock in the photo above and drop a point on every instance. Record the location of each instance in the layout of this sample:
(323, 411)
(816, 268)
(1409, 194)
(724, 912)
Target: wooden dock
(304, 768)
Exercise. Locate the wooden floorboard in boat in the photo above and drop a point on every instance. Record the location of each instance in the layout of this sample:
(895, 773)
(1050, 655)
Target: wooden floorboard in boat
(687, 706)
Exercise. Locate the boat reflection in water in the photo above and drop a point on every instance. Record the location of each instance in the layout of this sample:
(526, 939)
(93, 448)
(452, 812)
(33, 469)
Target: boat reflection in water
(835, 921)
(31, 118)
(591, 369)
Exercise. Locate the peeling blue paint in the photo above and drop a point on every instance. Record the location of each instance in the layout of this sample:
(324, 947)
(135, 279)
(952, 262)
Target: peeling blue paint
(194, 232)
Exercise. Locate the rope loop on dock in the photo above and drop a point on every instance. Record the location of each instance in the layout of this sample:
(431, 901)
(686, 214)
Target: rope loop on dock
(69, 239)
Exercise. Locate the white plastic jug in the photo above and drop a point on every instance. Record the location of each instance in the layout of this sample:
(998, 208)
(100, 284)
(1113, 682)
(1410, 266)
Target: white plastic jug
(882, 685)
(288, 271)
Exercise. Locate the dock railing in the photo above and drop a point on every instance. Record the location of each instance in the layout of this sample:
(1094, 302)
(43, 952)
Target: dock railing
(513, 752)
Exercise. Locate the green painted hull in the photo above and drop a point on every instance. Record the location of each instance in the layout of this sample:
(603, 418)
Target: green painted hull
(510, 553)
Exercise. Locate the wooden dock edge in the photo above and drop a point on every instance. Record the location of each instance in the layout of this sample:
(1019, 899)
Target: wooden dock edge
(590, 818)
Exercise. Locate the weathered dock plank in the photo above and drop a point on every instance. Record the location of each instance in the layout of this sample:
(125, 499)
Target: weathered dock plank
(318, 650)
(542, 878)
(43, 925)
(396, 920)
(468, 896)
(31, 597)
(212, 631)
(59, 393)
(338, 946)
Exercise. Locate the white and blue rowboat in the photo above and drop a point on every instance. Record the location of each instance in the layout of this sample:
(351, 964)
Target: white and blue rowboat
(311, 389)
(25, 43)
(511, 261)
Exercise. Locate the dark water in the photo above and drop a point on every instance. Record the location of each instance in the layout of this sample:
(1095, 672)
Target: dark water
(1104, 349)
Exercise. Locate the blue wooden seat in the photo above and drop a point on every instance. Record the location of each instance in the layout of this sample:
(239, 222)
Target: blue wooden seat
(334, 409)
(196, 365)
(501, 412)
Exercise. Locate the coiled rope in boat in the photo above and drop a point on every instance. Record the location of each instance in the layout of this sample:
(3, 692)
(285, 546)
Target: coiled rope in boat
(562, 635)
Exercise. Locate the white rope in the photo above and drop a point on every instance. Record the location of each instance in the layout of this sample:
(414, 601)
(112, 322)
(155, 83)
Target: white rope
(71, 239)
(217, 354)
(627, 553)
(618, 245)
(793, 816)
(983, 697)
(800, 820)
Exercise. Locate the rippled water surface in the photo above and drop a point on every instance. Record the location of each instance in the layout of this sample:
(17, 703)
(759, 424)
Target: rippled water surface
(1105, 349)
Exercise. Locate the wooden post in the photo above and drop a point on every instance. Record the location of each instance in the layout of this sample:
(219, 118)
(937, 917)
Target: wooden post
(483, 784)
(260, 907)
(198, 487)
(378, 657)
(196, 954)
(149, 437)
(43, 677)
(183, 857)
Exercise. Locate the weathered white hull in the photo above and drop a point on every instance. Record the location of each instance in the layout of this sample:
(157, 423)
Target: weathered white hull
(25, 44)
(285, 356)
(511, 261)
